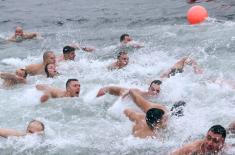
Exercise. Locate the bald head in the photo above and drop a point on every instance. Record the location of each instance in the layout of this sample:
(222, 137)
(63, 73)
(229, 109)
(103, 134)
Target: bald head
(35, 127)
(49, 57)
(19, 31)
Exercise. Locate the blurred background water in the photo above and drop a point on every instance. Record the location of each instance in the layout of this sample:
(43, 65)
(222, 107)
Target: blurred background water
(87, 125)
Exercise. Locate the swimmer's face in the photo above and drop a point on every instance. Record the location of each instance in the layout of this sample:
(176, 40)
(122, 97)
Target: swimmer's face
(51, 59)
(127, 39)
(51, 70)
(71, 55)
(74, 88)
(123, 60)
(34, 128)
(19, 32)
(154, 89)
(213, 142)
(21, 73)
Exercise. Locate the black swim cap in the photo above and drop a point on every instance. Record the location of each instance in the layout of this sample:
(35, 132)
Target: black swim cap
(153, 117)
(177, 109)
(68, 49)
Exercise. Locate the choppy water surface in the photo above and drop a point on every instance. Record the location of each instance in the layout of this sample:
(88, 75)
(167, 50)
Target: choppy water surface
(87, 125)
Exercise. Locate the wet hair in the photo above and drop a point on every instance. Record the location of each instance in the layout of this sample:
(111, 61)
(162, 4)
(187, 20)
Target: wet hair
(42, 125)
(70, 80)
(25, 73)
(153, 117)
(45, 54)
(123, 37)
(158, 82)
(46, 70)
(121, 53)
(177, 109)
(218, 129)
(68, 49)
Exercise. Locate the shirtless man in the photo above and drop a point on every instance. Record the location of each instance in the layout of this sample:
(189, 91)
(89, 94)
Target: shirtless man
(72, 90)
(179, 66)
(20, 35)
(50, 70)
(34, 127)
(149, 123)
(35, 69)
(153, 90)
(122, 61)
(213, 143)
(126, 40)
(12, 79)
(69, 52)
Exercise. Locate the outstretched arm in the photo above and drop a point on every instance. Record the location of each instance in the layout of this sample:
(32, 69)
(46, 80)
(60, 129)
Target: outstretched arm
(143, 103)
(193, 63)
(10, 132)
(7, 76)
(113, 90)
(132, 115)
(77, 46)
(31, 35)
(45, 89)
(188, 149)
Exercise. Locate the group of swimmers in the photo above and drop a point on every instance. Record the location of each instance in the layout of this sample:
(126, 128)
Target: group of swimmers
(148, 123)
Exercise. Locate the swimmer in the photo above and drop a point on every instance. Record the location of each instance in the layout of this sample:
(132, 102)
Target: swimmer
(122, 61)
(72, 90)
(126, 40)
(149, 123)
(12, 79)
(153, 90)
(179, 66)
(69, 52)
(34, 127)
(35, 69)
(50, 70)
(20, 35)
(213, 143)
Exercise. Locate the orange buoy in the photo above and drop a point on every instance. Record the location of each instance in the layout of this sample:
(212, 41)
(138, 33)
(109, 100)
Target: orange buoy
(197, 14)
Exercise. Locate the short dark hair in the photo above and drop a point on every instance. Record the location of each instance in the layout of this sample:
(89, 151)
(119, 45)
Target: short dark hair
(123, 36)
(153, 117)
(70, 80)
(218, 129)
(43, 127)
(121, 53)
(68, 49)
(158, 82)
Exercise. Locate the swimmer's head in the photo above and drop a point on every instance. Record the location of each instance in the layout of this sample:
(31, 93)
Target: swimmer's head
(50, 70)
(177, 109)
(73, 87)
(214, 140)
(49, 57)
(153, 117)
(125, 38)
(69, 53)
(154, 88)
(35, 127)
(123, 59)
(19, 31)
(21, 73)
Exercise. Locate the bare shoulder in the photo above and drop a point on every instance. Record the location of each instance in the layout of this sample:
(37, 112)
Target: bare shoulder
(187, 149)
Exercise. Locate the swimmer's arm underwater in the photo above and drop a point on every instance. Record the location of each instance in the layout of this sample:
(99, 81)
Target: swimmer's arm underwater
(113, 90)
(10, 132)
